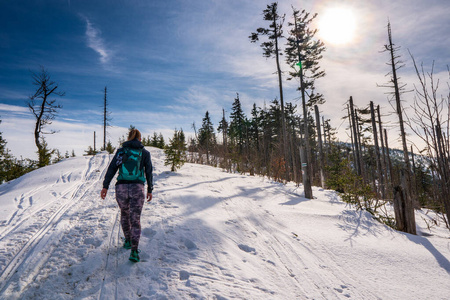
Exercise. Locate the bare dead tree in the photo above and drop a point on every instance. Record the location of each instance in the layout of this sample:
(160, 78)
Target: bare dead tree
(388, 157)
(106, 118)
(350, 124)
(395, 63)
(430, 122)
(320, 144)
(44, 110)
(356, 140)
(377, 152)
(384, 164)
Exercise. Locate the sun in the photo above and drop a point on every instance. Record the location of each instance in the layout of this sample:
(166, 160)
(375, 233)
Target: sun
(337, 26)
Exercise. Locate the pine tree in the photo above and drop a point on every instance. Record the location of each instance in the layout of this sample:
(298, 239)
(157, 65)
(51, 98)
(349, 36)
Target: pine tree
(303, 51)
(154, 140)
(237, 124)
(144, 141)
(5, 159)
(223, 127)
(160, 141)
(14, 168)
(44, 153)
(206, 136)
(90, 151)
(303, 54)
(109, 147)
(58, 156)
(271, 48)
(176, 151)
(254, 128)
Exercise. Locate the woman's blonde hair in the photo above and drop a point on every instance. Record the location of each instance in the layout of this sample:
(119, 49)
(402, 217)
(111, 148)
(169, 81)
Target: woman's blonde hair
(134, 134)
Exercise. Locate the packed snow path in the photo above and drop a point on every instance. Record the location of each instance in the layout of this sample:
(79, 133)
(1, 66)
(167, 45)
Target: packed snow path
(207, 234)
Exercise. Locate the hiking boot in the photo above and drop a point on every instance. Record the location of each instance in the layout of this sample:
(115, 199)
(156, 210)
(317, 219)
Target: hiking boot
(134, 256)
(127, 244)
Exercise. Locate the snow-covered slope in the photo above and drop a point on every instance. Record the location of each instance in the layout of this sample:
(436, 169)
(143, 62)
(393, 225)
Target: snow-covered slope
(207, 234)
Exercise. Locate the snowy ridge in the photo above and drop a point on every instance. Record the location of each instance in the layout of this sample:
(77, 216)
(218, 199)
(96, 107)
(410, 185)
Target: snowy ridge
(207, 234)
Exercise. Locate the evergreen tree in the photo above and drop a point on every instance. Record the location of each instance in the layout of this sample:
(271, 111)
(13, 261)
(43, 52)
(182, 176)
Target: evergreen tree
(160, 141)
(223, 127)
(13, 168)
(154, 140)
(145, 142)
(271, 48)
(254, 127)
(237, 124)
(90, 151)
(44, 153)
(303, 53)
(273, 120)
(2, 143)
(58, 156)
(5, 159)
(176, 151)
(109, 148)
(206, 135)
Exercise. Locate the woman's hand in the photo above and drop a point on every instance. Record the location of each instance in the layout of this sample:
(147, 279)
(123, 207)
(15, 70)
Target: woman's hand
(149, 197)
(103, 193)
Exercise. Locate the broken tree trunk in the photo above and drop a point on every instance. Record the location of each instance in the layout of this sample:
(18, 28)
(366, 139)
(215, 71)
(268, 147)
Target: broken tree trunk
(377, 152)
(319, 137)
(404, 212)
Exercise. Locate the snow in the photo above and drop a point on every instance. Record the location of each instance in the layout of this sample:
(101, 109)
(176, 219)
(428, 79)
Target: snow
(207, 234)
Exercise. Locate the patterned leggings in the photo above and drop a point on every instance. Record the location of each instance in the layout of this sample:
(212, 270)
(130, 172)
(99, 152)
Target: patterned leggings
(130, 198)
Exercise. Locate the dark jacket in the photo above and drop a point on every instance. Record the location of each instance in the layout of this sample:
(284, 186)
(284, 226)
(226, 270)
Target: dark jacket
(146, 163)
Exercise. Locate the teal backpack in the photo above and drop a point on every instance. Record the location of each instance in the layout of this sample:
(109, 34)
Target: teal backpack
(129, 168)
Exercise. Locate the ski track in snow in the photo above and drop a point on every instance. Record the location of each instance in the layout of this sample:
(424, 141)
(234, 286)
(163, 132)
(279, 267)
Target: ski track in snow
(31, 240)
(206, 234)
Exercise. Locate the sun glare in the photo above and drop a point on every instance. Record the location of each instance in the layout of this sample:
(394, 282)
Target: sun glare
(337, 26)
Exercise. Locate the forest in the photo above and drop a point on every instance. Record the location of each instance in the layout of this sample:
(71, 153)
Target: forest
(290, 143)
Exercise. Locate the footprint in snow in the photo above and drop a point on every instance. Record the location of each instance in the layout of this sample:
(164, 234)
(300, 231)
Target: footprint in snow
(170, 206)
(341, 290)
(148, 232)
(230, 222)
(184, 275)
(190, 245)
(247, 249)
(93, 241)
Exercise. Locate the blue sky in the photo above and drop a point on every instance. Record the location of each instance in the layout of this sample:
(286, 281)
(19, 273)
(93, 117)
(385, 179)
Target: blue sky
(166, 62)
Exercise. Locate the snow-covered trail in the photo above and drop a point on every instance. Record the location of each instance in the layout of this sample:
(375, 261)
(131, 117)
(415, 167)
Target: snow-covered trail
(206, 235)
(38, 230)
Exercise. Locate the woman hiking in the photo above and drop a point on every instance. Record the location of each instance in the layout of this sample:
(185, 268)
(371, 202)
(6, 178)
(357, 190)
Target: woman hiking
(135, 166)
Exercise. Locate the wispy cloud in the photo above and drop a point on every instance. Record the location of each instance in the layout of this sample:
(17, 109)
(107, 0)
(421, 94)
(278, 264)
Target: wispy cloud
(96, 43)
(13, 109)
(9, 94)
